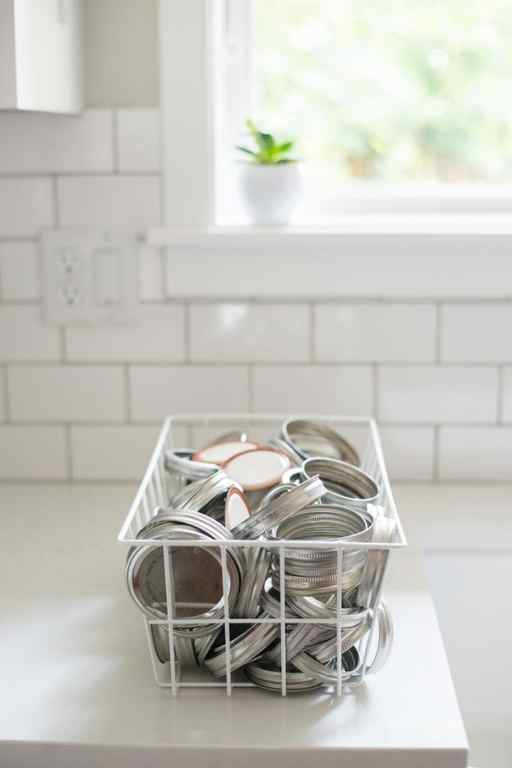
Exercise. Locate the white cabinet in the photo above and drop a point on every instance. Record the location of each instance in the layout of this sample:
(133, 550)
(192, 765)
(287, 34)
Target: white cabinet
(40, 55)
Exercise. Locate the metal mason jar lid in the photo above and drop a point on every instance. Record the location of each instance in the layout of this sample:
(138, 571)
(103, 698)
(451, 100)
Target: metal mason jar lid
(321, 521)
(244, 647)
(257, 569)
(314, 438)
(279, 508)
(265, 674)
(311, 607)
(327, 649)
(299, 638)
(146, 580)
(184, 650)
(203, 645)
(198, 495)
(180, 462)
(317, 585)
(285, 447)
(327, 673)
(345, 483)
(146, 576)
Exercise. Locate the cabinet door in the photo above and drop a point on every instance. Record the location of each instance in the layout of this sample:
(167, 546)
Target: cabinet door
(471, 591)
(40, 55)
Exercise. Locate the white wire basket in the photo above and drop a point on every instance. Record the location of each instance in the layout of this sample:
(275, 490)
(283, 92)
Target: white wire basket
(158, 487)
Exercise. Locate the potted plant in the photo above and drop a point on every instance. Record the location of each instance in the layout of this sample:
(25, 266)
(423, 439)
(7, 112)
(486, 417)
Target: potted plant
(270, 179)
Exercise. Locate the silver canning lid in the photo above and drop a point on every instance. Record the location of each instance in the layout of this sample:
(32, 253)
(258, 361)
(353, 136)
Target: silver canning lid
(267, 675)
(180, 462)
(145, 569)
(327, 673)
(300, 638)
(244, 648)
(308, 570)
(183, 647)
(203, 645)
(294, 475)
(288, 449)
(385, 642)
(383, 531)
(146, 583)
(257, 569)
(198, 495)
(311, 607)
(279, 508)
(345, 483)
(317, 585)
(327, 649)
(311, 438)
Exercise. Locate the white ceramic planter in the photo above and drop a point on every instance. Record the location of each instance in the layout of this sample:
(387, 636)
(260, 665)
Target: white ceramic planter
(271, 192)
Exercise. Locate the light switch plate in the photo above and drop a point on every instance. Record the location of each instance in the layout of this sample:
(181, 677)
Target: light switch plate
(89, 278)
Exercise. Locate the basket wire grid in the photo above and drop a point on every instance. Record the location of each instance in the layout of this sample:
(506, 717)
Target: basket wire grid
(156, 489)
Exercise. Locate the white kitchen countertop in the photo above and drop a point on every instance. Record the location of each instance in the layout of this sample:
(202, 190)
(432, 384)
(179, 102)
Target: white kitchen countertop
(78, 688)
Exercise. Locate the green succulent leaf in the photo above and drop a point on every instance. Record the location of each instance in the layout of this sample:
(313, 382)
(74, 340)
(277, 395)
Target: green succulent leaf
(246, 150)
(267, 151)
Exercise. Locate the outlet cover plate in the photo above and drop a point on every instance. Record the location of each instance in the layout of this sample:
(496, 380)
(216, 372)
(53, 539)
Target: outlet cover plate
(89, 278)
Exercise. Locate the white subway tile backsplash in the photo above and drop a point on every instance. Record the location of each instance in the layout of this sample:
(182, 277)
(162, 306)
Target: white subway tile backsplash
(19, 271)
(111, 453)
(473, 454)
(32, 452)
(158, 336)
(507, 394)
(159, 391)
(23, 335)
(408, 452)
(138, 136)
(44, 143)
(344, 391)
(477, 333)
(128, 204)
(243, 355)
(26, 206)
(375, 332)
(66, 393)
(249, 332)
(450, 394)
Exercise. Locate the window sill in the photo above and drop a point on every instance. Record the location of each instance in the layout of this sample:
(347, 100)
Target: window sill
(421, 256)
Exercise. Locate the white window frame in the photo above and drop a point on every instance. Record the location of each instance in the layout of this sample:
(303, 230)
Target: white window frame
(204, 67)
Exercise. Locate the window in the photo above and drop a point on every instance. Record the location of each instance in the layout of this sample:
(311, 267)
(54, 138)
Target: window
(405, 100)
(397, 107)
(209, 58)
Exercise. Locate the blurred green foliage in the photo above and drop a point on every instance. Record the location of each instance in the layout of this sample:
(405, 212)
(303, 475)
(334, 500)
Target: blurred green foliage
(389, 89)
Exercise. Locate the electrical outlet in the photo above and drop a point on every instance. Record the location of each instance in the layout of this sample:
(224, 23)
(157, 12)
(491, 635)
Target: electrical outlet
(89, 278)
